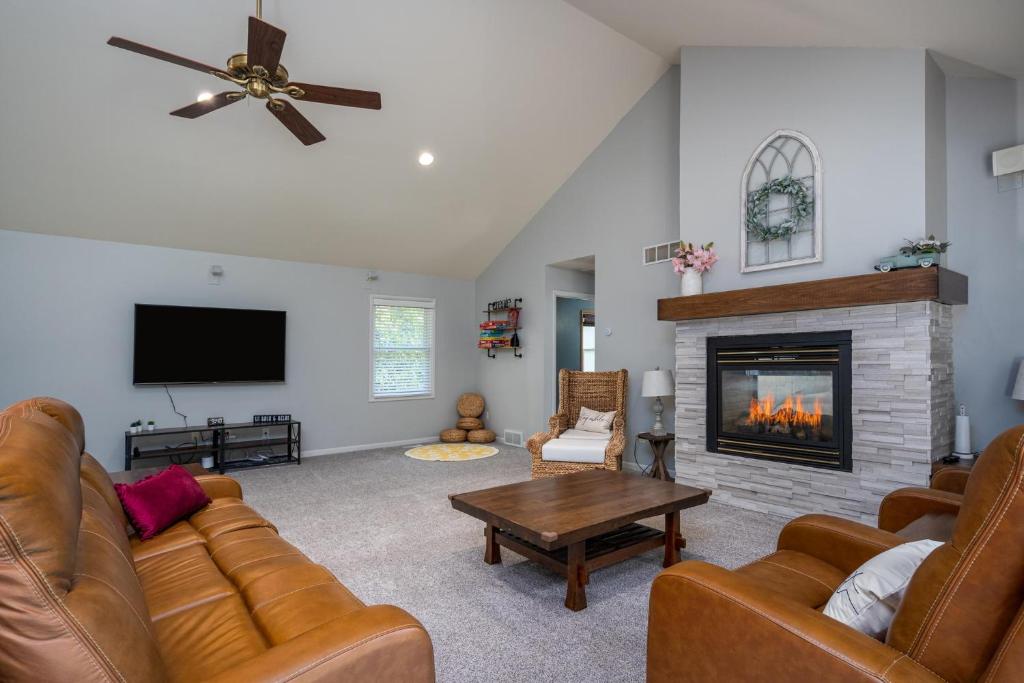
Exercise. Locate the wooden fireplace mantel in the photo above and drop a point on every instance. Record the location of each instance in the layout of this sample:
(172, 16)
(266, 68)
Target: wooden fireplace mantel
(898, 286)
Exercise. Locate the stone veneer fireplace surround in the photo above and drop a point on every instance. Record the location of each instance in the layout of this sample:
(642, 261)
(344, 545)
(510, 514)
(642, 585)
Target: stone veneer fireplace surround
(901, 391)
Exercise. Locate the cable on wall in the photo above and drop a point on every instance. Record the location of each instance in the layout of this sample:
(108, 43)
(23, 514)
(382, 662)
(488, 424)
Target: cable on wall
(644, 471)
(183, 416)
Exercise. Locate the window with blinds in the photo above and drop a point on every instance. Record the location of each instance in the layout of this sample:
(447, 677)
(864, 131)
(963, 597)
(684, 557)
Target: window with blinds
(402, 348)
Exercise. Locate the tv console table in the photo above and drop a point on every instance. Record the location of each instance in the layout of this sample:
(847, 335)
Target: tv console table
(234, 446)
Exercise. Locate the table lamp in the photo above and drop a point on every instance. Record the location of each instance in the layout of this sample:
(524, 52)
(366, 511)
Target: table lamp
(658, 383)
(1018, 386)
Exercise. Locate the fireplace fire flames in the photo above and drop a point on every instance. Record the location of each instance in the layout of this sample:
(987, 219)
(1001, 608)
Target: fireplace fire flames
(782, 397)
(789, 418)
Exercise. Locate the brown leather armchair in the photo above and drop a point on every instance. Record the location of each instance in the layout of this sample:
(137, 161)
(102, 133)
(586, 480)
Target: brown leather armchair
(915, 512)
(962, 618)
(216, 597)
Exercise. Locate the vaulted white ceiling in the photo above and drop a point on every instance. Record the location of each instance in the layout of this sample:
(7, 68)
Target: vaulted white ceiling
(987, 33)
(509, 96)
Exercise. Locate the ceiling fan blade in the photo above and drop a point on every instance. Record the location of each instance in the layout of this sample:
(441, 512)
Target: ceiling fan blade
(265, 45)
(206, 106)
(160, 54)
(342, 96)
(295, 122)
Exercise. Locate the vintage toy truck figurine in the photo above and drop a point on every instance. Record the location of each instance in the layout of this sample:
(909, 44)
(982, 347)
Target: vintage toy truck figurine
(919, 254)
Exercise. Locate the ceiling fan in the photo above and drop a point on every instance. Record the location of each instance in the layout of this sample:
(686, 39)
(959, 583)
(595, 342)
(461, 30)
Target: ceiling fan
(261, 75)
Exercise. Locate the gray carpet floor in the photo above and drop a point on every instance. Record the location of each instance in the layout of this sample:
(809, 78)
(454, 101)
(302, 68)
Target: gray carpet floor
(383, 524)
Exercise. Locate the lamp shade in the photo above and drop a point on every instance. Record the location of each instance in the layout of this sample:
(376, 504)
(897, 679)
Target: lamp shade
(1018, 387)
(658, 383)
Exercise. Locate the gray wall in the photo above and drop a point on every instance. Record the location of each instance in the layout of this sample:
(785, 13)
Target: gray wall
(623, 197)
(67, 332)
(987, 230)
(905, 152)
(864, 110)
(935, 152)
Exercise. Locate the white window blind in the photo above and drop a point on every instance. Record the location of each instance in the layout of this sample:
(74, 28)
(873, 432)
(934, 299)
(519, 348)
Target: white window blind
(402, 348)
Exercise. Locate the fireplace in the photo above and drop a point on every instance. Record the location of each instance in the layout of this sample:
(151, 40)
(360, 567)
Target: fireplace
(783, 397)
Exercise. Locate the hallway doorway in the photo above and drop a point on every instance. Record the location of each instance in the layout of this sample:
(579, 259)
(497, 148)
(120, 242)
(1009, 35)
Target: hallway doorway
(574, 344)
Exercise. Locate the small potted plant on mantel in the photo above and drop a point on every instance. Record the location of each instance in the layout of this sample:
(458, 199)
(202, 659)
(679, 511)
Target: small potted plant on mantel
(150, 425)
(135, 427)
(691, 262)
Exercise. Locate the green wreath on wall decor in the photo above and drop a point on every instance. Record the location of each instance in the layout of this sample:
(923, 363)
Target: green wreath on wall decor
(757, 209)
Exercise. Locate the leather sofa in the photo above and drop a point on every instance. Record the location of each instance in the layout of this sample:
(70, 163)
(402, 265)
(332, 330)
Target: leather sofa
(961, 620)
(217, 597)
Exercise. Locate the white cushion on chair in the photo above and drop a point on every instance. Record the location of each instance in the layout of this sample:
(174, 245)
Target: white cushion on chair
(586, 450)
(580, 434)
(869, 597)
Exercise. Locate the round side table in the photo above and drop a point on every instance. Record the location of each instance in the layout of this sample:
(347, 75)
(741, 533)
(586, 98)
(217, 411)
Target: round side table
(659, 443)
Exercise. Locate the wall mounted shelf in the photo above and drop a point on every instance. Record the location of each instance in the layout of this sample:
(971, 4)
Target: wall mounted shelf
(501, 334)
(912, 284)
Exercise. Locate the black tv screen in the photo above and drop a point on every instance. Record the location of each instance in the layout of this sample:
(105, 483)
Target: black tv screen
(187, 345)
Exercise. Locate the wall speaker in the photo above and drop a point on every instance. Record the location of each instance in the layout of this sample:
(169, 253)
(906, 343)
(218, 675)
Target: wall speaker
(1009, 160)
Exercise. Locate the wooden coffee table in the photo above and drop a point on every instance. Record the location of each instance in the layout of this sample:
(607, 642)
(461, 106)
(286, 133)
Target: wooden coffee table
(577, 523)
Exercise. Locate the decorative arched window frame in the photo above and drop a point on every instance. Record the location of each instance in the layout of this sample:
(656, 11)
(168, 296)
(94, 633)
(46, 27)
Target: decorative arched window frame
(769, 169)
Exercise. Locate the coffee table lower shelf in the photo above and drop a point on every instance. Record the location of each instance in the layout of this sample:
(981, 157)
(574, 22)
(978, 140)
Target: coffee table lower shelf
(576, 561)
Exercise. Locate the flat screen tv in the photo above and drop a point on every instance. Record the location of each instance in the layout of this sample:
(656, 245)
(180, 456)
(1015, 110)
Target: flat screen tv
(188, 345)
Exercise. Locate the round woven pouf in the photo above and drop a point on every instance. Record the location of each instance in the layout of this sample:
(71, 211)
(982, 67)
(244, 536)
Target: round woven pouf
(469, 423)
(453, 435)
(481, 436)
(471, 405)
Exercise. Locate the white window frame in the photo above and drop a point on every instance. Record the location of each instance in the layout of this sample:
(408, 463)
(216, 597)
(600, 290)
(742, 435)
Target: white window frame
(398, 300)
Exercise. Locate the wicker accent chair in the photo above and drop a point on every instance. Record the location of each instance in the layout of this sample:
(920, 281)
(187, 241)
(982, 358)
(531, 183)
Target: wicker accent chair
(601, 391)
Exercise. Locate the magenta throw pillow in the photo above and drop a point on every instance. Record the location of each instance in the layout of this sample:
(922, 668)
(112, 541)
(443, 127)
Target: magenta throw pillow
(158, 501)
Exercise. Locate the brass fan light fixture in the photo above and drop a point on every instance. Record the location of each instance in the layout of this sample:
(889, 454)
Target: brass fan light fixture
(261, 75)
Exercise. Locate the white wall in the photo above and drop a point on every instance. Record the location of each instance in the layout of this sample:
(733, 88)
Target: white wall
(623, 197)
(67, 332)
(987, 230)
(865, 111)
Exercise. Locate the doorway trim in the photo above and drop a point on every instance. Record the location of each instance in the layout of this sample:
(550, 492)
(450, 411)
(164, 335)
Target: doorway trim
(557, 294)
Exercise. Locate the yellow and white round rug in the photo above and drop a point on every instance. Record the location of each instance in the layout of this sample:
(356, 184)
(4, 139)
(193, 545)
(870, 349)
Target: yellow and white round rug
(451, 452)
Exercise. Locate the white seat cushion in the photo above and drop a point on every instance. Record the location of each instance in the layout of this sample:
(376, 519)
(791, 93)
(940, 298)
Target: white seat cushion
(580, 434)
(575, 450)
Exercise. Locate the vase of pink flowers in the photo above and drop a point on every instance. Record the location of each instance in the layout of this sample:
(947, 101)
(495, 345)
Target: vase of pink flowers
(691, 262)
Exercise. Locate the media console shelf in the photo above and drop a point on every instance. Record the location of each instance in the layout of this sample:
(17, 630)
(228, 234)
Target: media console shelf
(239, 445)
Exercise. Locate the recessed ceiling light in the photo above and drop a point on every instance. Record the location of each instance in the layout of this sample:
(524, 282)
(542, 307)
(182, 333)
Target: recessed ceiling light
(204, 96)
(426, 159)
